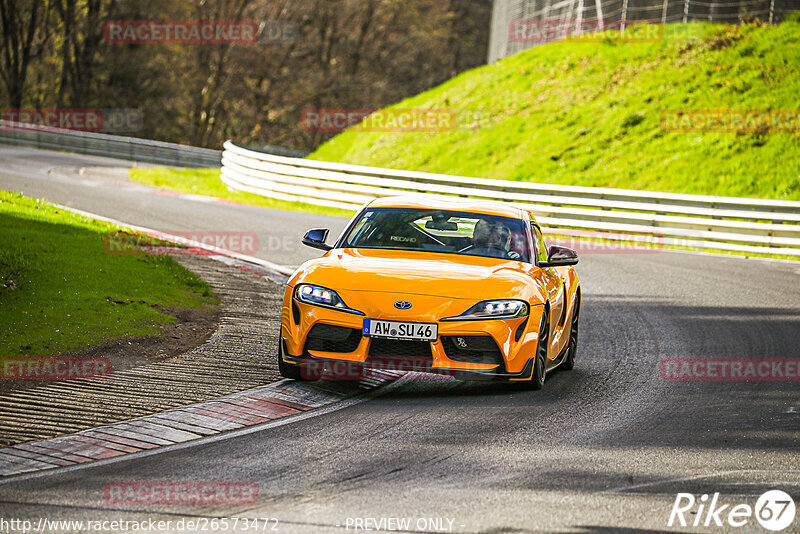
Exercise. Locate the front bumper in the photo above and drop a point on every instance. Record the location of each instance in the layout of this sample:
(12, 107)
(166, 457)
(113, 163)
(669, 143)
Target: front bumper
(515, 339)
(354, 369)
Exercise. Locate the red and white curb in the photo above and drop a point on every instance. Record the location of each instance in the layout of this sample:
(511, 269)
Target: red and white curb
(233, 412)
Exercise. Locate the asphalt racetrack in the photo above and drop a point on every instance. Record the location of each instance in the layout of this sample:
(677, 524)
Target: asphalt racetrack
(603, 448)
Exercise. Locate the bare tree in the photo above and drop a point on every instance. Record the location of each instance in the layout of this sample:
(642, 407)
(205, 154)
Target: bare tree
(24, 29)
(82, 22)
(356, 54)
(208, 93)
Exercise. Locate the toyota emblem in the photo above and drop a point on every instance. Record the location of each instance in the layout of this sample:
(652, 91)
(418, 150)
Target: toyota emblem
(402, 305)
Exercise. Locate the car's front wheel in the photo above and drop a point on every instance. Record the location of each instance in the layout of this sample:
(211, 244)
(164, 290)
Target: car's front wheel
(290, 370)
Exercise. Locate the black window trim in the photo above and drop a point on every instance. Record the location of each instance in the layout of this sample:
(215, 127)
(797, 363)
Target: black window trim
(535, 240)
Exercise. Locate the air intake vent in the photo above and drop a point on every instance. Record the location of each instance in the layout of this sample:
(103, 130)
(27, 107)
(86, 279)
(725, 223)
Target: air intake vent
(330, 338)
(401, 355)
(472, 349)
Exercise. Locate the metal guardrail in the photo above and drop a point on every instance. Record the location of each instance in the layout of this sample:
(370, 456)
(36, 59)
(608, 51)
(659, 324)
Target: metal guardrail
(276, 150)
(130, 148)
(756, 226)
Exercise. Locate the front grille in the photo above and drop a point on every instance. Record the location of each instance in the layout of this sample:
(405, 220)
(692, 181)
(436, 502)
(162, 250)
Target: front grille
(402, 355)
(329, 338)
(478, 349)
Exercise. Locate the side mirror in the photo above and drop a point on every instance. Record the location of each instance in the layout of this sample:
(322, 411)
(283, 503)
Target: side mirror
(316, 239)
(560, 256)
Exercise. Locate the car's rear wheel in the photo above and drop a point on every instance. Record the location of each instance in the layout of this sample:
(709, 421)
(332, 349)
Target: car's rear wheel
(569, 361)
(540, 362)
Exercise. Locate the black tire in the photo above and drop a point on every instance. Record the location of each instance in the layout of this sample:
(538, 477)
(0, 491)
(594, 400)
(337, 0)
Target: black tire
(540, 362)
(569, 361)
(289, 370)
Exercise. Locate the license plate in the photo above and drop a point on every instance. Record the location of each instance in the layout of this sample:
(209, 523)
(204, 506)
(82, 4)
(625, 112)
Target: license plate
(401, 330)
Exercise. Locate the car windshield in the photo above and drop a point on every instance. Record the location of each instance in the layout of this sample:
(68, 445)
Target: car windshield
(450, 232)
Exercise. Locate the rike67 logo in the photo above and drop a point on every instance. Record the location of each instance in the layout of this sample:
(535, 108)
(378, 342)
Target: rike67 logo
(774, 510)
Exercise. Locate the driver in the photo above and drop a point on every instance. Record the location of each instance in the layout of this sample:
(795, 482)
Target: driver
(491, 238)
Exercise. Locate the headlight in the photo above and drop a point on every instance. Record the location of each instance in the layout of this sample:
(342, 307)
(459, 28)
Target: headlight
(321, 296)
(493, 309)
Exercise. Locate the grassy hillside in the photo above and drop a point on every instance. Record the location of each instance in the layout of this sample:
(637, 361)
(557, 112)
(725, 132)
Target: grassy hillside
(61, 289)
(589, 113)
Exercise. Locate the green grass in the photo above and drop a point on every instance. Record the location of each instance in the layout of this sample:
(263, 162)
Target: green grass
(60, 290)
(589, 113)
(207, 182)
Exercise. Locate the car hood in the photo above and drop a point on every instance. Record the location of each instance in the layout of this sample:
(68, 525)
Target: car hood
(418, 273)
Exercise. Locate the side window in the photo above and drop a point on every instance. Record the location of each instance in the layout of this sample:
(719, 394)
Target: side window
(541, 248)
(359, 228)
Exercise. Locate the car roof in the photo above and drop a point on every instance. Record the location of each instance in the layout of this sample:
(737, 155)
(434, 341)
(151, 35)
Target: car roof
(485, 207)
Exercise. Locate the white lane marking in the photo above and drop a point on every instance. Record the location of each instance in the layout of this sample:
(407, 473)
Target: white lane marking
(693, 478)
(281, 269)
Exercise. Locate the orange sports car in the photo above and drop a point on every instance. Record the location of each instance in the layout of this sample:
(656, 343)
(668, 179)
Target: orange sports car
(466, 288)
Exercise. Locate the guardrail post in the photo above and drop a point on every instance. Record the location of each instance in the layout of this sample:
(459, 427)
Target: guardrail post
(579, 18)
(624, 14)
(598, 4)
